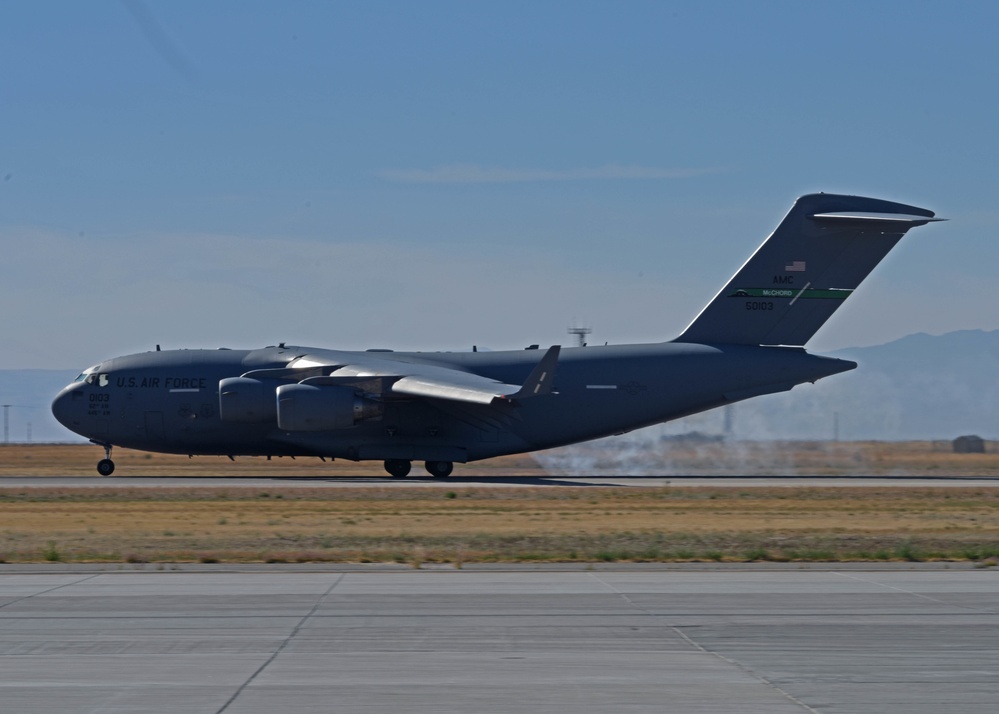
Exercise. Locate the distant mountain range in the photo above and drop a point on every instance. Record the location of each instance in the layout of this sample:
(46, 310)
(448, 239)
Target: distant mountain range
(923, 387)
(917, 387)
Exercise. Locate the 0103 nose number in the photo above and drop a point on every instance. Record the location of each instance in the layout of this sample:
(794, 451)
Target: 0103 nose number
(100, 404)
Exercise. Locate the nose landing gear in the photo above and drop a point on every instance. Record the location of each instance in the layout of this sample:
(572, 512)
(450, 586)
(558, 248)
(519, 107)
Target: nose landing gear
(105, 467)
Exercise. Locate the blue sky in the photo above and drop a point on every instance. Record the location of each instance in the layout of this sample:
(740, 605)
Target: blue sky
(436, 175)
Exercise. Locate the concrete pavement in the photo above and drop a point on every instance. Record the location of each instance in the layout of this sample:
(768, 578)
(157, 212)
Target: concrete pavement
(388, 640)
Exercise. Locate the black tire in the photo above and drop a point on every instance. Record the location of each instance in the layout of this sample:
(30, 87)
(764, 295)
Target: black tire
(105, 467)
(439, 469)
(398, 468)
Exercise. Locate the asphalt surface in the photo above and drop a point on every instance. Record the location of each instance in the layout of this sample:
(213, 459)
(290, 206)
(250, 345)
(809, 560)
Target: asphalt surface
(627, 639)
(496, 481)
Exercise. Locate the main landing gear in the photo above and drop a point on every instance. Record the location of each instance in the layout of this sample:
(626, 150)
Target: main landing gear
(105, 467)
(399, 468)
(439, 469)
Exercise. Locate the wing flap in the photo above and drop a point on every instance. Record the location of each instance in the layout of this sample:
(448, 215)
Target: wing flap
(473, 393)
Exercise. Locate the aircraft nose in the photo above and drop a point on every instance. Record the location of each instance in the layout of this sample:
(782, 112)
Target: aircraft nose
(67, 407)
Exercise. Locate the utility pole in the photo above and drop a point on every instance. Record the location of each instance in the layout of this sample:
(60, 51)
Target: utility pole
(6, 422)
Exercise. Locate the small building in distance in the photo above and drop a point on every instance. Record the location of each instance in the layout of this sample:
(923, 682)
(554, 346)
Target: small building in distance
(969, 445)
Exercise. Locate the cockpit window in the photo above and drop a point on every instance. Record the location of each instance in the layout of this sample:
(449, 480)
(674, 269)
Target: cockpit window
(88, 375)
(99, 379)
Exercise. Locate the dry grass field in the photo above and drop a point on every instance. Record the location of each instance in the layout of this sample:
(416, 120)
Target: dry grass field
(475, 524)
(487, 524)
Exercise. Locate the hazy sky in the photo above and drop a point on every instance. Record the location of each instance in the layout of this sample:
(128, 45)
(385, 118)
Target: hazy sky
(435, 175)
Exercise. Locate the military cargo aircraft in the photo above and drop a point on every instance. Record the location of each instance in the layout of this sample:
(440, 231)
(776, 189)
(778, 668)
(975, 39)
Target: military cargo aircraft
(444, 407)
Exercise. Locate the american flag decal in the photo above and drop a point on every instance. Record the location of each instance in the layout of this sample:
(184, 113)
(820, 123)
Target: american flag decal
(796, 266)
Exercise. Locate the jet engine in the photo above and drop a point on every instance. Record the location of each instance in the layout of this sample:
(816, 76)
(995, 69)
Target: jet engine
(305, 407)
(247, 400)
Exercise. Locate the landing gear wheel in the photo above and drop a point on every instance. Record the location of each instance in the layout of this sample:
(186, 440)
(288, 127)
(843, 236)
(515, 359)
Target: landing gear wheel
(399, 468)
(105, 467)
(439, 469)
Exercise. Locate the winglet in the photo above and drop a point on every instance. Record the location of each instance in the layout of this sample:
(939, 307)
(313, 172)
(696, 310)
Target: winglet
(541, 378)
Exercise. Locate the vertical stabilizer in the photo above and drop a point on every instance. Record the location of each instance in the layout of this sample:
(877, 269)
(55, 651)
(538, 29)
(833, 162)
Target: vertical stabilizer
(822, 250)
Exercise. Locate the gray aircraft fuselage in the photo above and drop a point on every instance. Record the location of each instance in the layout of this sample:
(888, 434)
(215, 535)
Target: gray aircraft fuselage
(444, 407)
(169, 401)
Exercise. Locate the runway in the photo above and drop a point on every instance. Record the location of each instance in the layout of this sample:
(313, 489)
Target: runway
(494, 481)
(382, 639)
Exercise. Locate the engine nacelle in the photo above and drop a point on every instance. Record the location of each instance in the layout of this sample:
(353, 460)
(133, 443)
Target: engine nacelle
(304, 407)
(246, 400)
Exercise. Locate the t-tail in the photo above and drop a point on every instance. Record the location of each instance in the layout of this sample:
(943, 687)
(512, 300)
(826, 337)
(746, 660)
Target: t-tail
(793, 283)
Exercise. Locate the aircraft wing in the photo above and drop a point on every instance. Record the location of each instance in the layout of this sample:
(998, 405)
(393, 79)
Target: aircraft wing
(459, 388)
(467, 387)
(389, 378)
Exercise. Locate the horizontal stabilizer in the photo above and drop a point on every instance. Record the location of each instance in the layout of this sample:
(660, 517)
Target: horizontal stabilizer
(875, 218)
